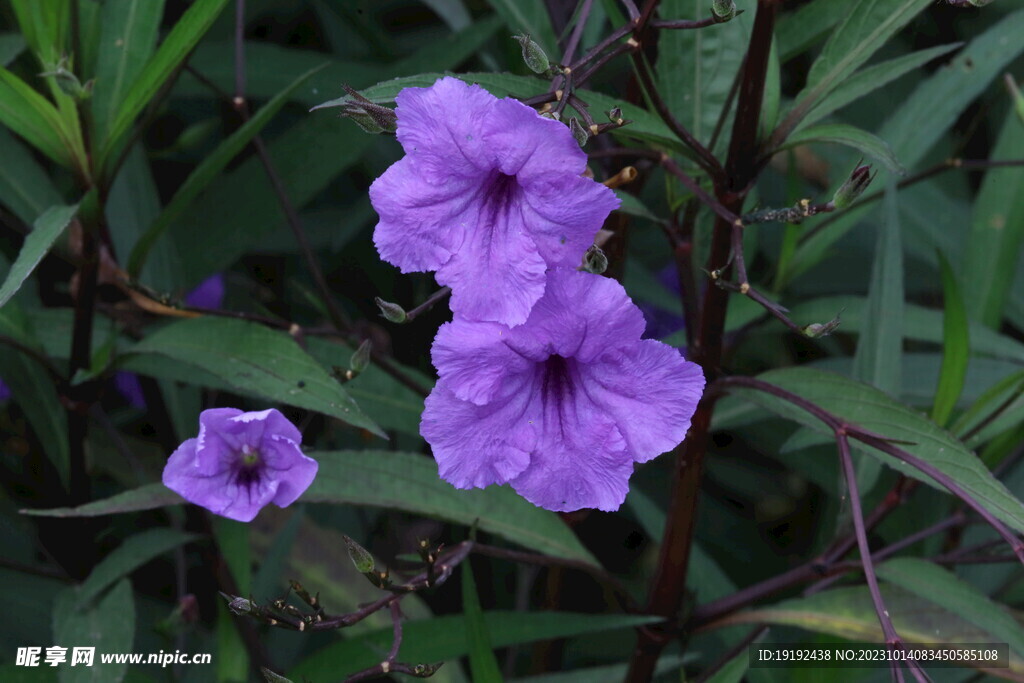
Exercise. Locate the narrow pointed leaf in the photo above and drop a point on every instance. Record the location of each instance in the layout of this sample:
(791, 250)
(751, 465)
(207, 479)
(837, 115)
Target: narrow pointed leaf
(129, 35)
(34, 118)
(171, 53)
(955, 349)
(24, 186)
(936, 584)
(45, 232)
(843, 134)
(483, 666)
(207, 170)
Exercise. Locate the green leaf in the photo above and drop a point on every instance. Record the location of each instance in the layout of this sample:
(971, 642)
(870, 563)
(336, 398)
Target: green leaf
(928, 113)
(869, 24)
(612, 673)
(409, 482)
(148, 497)
(999, 408)
(33, 389)
(733, 671)
(645, 126)
(34, 118)
(849, 613)
(880, 346)
(108, 625)
(45, 232)
(872, 78)
(801, 29)
(529, 16)
(43, 23)
(134, 552)
(25, 188)
(172, 52)
(878, 359)
(997, 230)
(868, 407)
(845, 134)
(696, 69)
(935, 584)
(129, 35)
(445, 638)
(919, 324)
(956, 348)
(211, 165)
(395, 481)
(483, 666)
(11, 45)
(256, 361)
(383, 398)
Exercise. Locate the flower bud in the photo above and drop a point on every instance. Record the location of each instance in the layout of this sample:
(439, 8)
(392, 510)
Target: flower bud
(426, 670)
(815, 330)
(360, 357)
(853, 187)
(389, 311)
(723, 10)
(239, 606)
(67, 81)
(578, 131)
(594, 260)
(533, 54)
(361, 557)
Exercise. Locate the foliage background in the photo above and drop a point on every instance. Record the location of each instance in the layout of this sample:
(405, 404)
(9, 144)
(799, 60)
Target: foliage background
(772, 497)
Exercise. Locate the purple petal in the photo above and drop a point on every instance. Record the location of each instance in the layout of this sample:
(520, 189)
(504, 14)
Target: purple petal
(129, 386)
(564, 214)
(496, 274)
(472, 360)
(420, 215)
(580, 462)
(216, 491)
(208, 294)
(652, 393)
(476, 446)
(443, 125)
(5, 391)
(293, 470)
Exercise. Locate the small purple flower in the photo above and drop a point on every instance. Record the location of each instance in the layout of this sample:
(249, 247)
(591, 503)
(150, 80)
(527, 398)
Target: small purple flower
(562, 406)
(208, 294)
(240, 462)
(489, 194)
(129, 385)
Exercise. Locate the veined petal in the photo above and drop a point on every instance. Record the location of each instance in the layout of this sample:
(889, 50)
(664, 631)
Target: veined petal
(496, 274)
(420, 215)
(530, 146)
(285, 462)
(444, 123)
(473, 359)
(584, 464)
(564, 214)
(651, 392)
(476, 446)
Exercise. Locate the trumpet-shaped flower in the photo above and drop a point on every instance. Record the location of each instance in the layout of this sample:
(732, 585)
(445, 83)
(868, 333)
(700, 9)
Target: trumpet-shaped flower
(562, 406)
(489, 194)
(240, 462)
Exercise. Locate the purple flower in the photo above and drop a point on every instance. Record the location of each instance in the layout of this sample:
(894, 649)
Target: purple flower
(489, 194)
(129, 385)
(240, 462)
(208, 294)
(561, 406)
(5, 391)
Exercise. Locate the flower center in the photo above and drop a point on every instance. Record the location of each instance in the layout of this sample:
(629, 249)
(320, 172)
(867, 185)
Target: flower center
(249, 461)
(498, 194)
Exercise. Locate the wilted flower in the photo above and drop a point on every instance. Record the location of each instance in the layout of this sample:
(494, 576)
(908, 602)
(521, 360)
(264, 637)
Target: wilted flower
(489, 194)
(240, 462)
(562, 406)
